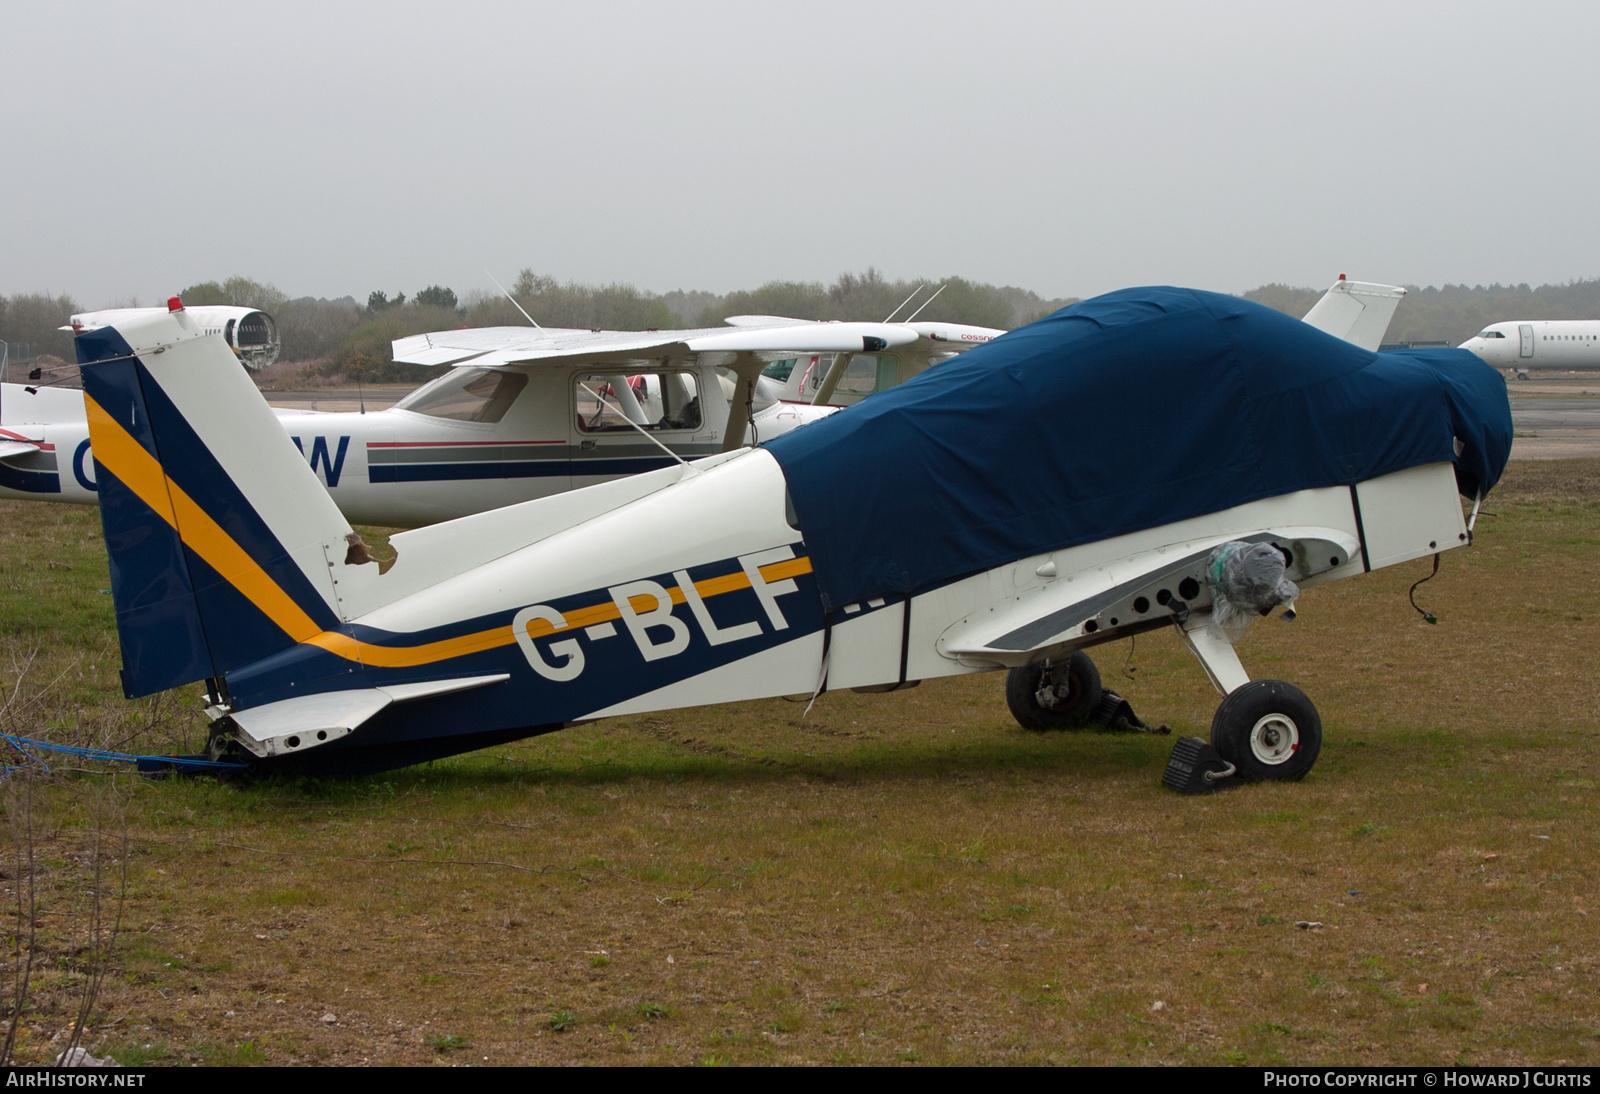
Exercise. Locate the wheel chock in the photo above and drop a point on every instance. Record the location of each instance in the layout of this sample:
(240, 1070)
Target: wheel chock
(1197, 768)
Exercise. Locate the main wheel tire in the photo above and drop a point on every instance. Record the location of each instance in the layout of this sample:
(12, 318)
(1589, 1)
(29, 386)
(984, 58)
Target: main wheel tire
(1268, 730)
(1082, 681)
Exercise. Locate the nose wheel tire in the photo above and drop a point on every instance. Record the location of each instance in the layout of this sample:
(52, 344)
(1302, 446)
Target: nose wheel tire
(1054, 694)
(1269, 730)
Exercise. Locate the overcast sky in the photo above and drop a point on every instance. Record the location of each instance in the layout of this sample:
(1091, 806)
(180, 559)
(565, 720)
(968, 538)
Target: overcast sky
(334, 148)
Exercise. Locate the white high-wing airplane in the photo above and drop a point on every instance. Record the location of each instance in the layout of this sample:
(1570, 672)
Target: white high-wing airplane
(970, 519)
(1572, 344)
(520, 416)
(520, 413)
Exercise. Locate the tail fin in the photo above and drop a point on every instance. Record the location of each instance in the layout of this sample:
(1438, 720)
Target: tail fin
(1356, 311)
(223, 544)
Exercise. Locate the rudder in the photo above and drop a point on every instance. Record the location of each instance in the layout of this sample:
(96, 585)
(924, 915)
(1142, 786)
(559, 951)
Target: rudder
(221, 539)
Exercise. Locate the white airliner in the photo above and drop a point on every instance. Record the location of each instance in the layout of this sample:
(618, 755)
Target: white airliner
(1560, 344)
(955, 524)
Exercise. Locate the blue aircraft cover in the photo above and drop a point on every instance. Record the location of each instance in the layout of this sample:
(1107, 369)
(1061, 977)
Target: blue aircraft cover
(1128, 411)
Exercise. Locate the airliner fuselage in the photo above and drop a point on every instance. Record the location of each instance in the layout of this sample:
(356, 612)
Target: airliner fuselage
(1572, 344)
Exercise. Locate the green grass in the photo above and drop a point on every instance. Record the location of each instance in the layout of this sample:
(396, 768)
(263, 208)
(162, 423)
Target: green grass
(896, 878)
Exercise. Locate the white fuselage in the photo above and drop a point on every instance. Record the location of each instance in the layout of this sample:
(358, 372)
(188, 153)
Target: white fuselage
(1562, 344)
(403, 468)
(576, 567)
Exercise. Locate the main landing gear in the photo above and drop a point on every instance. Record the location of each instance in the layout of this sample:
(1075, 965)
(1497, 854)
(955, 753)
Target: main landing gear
(1268, 730)
(1068, 695)
(1264, 730)
(1054, 694)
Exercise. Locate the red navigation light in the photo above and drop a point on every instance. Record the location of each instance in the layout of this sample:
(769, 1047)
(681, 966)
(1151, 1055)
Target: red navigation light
(1341, 277)
(174, 304)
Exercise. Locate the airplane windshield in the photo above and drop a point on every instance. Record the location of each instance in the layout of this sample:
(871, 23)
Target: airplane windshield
(1490, 334)
(611, 403)
(467, 395)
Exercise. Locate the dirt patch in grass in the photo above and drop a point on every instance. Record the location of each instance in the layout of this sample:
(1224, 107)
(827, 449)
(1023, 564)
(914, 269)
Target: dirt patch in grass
(896, 878)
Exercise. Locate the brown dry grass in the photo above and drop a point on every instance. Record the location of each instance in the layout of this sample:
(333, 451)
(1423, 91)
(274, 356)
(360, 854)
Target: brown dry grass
(909, 877)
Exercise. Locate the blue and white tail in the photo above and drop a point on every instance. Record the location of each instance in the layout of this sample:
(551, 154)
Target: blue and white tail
(224, 546)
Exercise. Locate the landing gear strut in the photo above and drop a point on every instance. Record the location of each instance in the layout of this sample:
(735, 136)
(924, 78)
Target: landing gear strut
(1267, 729)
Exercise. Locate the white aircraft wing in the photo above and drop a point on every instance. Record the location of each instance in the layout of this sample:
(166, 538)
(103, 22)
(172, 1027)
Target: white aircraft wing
(502, 346)
(1356, 311)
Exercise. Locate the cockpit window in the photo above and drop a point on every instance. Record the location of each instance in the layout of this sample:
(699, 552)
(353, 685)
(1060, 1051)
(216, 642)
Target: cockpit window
(608, 402)
(780, 370)
(1491, 334)
(467, 395)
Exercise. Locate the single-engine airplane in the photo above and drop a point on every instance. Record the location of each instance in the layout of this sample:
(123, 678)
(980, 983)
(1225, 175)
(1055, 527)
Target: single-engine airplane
(1151, 458)
(520, 412)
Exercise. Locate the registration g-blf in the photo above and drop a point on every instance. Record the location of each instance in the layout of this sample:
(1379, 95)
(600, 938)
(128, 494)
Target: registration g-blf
(1151, 458)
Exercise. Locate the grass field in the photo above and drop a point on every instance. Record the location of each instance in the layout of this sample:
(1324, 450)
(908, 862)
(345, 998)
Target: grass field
(896, 878)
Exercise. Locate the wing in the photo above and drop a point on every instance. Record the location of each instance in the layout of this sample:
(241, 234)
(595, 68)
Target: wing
(499, 347)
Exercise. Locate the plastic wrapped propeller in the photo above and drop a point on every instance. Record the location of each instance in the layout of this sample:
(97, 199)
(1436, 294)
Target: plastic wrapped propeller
(1247, 580)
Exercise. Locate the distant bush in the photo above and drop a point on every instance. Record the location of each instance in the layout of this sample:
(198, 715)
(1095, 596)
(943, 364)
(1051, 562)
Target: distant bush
(32, 319)
(870, 296)
(575, 306)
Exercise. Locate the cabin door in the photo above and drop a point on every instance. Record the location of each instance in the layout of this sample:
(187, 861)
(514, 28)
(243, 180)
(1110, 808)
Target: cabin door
(1526, 331)
(623, 421)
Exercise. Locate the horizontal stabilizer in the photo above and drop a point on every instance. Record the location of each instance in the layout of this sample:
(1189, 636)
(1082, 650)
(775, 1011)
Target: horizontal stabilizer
(295, 725)
(1356, 311)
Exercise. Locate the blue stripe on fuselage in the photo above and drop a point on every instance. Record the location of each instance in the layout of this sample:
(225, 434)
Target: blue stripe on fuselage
(28, 481)
(614, 668)
(517, 469)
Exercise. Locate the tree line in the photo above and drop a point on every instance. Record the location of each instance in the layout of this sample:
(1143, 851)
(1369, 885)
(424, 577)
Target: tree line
(1455, 313)
(346, 337)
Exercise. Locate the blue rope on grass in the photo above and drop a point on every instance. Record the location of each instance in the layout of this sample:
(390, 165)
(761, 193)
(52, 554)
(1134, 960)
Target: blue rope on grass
(26, 745)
